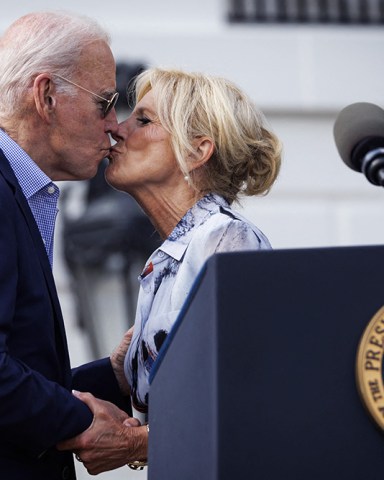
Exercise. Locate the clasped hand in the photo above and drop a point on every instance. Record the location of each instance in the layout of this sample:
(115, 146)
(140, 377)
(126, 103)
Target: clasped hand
(112, 440)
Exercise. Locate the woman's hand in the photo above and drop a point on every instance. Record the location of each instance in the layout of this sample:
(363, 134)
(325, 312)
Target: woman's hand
(117, 360)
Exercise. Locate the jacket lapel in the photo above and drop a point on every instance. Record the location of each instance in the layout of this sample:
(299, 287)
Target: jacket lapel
(8, 174)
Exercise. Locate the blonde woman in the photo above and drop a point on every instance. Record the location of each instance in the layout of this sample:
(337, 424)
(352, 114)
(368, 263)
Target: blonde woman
(191, 147)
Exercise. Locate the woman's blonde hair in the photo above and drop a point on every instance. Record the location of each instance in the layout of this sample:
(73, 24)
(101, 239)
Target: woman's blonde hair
(247, 155)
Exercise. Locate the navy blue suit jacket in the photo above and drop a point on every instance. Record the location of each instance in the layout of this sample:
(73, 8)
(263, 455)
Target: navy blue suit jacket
(37, 409)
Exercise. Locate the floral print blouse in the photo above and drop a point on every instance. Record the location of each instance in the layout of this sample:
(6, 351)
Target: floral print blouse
(209, 227)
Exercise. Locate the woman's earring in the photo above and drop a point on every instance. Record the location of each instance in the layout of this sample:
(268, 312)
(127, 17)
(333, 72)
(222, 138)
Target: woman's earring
(187, 179)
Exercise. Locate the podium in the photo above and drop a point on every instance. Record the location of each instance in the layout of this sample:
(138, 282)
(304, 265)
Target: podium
(257, 378)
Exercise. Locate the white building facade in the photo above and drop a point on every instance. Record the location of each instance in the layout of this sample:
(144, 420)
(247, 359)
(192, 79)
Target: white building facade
(301, 76)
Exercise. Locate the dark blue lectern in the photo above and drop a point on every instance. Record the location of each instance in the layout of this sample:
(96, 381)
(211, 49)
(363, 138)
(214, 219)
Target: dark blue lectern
(257, 379)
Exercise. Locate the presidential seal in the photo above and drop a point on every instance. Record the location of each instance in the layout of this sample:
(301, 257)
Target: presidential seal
(369, 367)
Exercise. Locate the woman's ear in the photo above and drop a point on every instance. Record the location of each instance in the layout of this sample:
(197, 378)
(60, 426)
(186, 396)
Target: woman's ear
(204, 148)
(44, 96)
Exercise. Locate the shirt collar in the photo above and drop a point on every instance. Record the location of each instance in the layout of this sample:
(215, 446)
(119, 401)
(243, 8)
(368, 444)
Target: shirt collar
(30, 177)
(178, 241)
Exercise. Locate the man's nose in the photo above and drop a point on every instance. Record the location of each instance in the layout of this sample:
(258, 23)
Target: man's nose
(111, 123)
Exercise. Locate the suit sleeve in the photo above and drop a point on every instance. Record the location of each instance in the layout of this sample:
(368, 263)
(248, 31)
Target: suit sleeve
(35, 411)
(98, 378)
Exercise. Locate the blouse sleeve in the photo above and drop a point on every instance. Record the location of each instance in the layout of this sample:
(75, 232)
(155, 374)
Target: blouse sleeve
(241, 236)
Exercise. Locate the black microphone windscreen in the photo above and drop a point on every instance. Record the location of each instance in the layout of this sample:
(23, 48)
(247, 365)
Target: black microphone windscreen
(354, 124)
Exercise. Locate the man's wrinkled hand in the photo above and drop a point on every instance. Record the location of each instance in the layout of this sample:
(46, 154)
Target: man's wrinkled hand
(112, 440)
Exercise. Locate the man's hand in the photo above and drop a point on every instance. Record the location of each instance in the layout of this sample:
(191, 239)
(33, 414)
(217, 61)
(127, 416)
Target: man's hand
(112, 440)
(117, 361)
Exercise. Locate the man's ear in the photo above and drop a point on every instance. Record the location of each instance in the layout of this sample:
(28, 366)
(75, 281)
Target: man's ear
(204, 148)
(44, 96)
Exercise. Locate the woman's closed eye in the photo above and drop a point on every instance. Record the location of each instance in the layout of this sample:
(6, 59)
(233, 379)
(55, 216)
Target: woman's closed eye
(142, 120)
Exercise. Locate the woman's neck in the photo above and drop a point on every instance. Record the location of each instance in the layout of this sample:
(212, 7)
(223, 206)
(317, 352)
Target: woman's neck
(166, 209)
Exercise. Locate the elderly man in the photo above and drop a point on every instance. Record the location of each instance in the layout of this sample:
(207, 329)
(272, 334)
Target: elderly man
(57, 98)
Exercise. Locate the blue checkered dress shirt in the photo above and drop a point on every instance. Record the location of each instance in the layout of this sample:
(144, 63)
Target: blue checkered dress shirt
(39, 190)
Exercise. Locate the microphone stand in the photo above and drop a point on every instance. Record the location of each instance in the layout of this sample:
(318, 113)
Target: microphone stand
(368, 158)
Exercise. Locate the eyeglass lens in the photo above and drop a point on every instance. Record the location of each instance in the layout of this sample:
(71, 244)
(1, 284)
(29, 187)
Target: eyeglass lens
(110, 104)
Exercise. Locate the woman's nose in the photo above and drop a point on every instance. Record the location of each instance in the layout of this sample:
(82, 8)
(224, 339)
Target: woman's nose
(124, 128)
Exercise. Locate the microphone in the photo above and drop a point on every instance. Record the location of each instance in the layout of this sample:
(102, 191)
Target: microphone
(359, 138)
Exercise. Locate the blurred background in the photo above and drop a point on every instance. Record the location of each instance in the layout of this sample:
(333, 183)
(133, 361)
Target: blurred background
(301, 61)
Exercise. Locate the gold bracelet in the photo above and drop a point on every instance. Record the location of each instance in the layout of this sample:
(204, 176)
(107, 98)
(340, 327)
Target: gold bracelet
(137, 464)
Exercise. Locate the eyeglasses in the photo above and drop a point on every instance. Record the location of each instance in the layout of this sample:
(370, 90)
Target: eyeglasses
(108, 105)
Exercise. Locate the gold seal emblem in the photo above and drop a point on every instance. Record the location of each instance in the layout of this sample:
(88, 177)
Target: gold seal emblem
(369, 366)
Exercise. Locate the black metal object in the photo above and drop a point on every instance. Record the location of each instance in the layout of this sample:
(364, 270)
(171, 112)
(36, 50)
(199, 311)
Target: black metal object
(363, 12)
(110, 241)
(125, 74)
